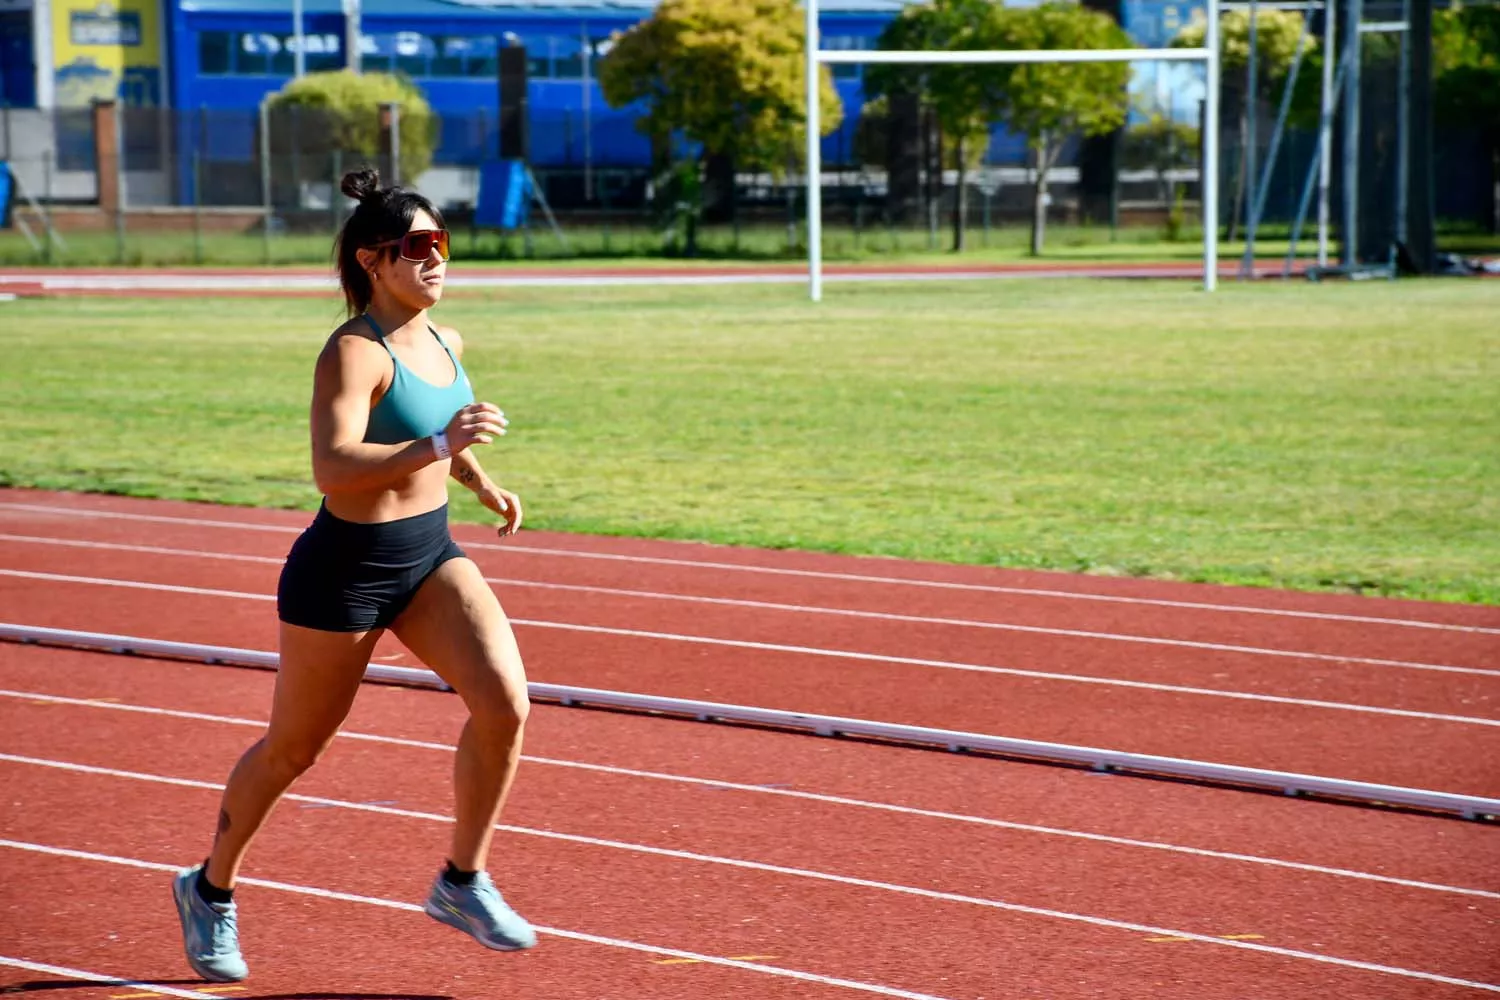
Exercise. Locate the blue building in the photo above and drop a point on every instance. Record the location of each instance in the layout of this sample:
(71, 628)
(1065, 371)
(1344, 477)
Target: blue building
(212, 62)
(228, 54)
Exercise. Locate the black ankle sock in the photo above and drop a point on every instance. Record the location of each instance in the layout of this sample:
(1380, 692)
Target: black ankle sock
(209, 892)
(455, 875)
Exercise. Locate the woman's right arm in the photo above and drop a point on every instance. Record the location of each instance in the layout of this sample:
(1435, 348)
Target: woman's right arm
(347, 375)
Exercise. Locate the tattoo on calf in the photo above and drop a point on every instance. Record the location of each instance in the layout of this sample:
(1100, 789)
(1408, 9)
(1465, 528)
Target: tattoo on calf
(223, 821)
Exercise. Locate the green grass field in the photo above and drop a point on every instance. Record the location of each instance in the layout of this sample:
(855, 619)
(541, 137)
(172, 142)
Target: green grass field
(1336, 436)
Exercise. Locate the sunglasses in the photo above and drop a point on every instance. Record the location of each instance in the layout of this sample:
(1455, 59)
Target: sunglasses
(417, 245)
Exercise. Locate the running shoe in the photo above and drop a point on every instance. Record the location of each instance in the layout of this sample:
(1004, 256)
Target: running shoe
(209, 934)
(480, 910)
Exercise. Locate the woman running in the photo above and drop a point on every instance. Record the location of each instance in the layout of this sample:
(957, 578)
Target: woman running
(393, 416)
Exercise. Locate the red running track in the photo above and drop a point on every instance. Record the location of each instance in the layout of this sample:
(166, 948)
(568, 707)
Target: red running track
(1348, 697)
(872, 867)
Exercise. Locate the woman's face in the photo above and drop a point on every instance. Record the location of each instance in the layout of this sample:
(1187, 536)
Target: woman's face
(413, 284)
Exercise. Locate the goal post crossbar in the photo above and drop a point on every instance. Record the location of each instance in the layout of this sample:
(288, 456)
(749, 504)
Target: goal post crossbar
(927, 57)
(816, 57)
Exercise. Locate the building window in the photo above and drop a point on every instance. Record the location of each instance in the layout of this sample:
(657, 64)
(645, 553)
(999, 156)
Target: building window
(847, 43)
(214, 53)
(261, 53)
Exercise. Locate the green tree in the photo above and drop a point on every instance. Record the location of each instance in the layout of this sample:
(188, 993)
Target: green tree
(1048, 102)
(1466, 78)
(956, 95)
(1276, 35)
(1163, 145)
(341, 111)
(727, 74)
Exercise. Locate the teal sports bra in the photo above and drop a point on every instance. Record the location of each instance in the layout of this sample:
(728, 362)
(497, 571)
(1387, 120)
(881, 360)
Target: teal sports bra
(413, 407)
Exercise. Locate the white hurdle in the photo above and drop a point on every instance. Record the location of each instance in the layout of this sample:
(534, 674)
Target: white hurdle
(1113, 761)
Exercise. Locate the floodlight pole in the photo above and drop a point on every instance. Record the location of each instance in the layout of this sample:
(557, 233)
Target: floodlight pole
(814, 161)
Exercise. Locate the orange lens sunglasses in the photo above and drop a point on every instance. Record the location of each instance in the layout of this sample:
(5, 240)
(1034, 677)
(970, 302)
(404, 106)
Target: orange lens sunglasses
(416, 246)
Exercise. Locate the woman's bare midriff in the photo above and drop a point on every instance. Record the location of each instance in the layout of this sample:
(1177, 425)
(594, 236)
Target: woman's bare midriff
(423, 491)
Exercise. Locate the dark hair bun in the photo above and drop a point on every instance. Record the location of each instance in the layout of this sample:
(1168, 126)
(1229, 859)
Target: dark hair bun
(361, 184)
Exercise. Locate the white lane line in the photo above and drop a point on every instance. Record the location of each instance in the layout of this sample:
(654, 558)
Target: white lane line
(391, 904)
(809, 574)
(837, 800)
(1216, 647)
(803, 873)
(840, 654)
(62, 972)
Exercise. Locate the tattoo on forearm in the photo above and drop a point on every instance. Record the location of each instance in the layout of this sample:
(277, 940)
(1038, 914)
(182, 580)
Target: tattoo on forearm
(467, 477)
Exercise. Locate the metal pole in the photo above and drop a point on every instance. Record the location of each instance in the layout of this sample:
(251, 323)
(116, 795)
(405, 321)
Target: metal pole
(299, 60)
(351, 35)
(1325, 125)
(47, 201)
(1210, 171)
(119, 184)
(1247, 161)
(1317, 170)
(1403, 126)
(335, 194)
(197, 206)
(1353, 14)
(395, 144)
(1259, 204)
(588, 145)
(814, 162)
(265, 182)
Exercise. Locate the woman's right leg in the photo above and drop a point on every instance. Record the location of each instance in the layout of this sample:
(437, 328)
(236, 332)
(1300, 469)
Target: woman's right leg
(317, 680)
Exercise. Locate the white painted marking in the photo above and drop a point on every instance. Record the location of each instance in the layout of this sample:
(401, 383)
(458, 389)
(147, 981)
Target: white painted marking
(1034, 911)
(391, 904)
(771, 647)
(808, 574)
(63, 972)
(837, 800)
(1217, 647)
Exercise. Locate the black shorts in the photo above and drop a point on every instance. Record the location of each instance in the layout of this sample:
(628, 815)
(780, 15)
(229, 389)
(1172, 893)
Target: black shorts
(342, 576)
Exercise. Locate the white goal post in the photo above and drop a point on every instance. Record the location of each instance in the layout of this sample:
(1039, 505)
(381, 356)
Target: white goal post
(1208, 169)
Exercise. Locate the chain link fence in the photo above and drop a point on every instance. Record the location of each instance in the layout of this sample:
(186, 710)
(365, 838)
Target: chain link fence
(113, 184)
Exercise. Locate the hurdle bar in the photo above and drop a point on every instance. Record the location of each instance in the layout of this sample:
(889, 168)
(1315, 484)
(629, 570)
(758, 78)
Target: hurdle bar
(1109, 761)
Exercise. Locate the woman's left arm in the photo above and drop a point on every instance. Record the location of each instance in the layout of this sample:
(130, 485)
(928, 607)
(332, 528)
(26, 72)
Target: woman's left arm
(467, 470)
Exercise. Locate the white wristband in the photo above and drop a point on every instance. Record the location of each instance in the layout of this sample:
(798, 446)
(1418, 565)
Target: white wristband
(440, 445)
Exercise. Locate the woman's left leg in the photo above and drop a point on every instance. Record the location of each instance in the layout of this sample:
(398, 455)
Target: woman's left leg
(456, 626)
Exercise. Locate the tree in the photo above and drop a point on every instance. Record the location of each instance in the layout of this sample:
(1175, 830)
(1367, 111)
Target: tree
(340, 111)
(1276, 35)
(955, 95)
(727, 74)
(1466, 78)
(1048, 102)
(1163, 145)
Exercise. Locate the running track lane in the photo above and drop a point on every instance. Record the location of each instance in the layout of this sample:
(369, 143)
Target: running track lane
(1456, 684)
(294, 281)
(1420, 751)
(611, 889)
(1077, 803)
(230, 526)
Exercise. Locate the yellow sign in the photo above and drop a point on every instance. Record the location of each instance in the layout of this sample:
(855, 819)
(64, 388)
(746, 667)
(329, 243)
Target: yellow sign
(104, 50)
